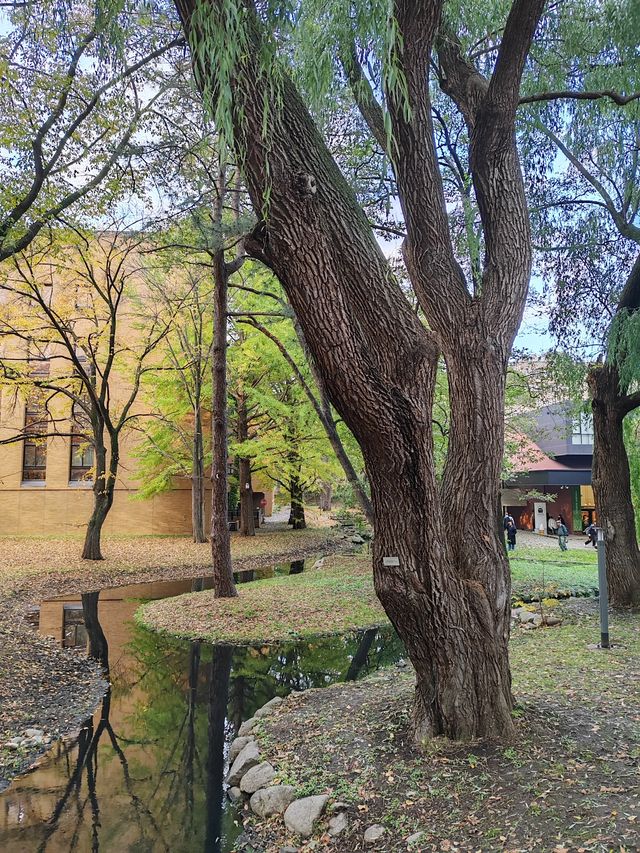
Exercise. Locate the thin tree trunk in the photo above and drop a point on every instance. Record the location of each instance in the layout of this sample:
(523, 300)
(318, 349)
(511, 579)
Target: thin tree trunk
(325, 413)
(223, 584)
(103, 490)
(326, 496)
(361, 655)
(297, 518)
(612, 487)
(98, 646)
(197, 481)
(247, 519)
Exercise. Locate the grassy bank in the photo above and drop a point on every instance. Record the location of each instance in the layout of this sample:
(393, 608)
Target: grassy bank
(336, 597)
(563, 573)
(566, 782)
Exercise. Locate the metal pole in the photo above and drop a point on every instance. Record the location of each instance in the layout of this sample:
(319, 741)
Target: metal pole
(604, 594)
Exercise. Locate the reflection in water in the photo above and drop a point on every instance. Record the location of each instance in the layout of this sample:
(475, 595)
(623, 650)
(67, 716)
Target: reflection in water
(145, 773)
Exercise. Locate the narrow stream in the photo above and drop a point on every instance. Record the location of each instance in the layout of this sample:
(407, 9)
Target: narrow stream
(145, 773)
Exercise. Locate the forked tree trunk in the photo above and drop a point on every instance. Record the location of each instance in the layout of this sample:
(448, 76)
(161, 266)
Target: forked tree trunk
(197, 481)
(223, 584)
(439, 566)
(612, 487)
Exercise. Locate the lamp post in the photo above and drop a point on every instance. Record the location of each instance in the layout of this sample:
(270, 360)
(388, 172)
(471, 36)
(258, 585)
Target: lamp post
(604, 595)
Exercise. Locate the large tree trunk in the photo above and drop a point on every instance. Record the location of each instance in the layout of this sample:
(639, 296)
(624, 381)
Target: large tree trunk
(439, 572)
(223, 584)
(197, 481)
(103, 490)
(612, 486)
(247, 518)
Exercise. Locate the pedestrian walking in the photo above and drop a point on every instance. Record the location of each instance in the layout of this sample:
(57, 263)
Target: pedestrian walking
(563, 534)
(592, 535)
(511, 535)
(552, 524)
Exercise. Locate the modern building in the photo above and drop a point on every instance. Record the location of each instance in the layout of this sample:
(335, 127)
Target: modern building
(554, 462)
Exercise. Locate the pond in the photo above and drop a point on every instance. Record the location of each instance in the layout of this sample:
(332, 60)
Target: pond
(145, 773)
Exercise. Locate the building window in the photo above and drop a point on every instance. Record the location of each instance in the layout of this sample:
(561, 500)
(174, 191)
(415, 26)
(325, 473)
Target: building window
(82, 455)
(34, 461)
(582, 429)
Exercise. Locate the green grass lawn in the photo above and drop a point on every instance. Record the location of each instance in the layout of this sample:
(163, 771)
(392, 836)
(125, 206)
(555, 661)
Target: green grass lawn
(558, 572)
(333, 599)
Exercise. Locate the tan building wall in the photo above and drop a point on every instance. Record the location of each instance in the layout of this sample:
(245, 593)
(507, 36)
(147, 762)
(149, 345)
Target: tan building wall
(59, 505)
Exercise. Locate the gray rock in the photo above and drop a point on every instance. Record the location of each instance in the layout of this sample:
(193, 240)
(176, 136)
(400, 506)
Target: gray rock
(373, 833)
(302, 814)
(273, 800)
(537, 620)
(318, 563)
(356, 539)
(525, 616)
(550, 621)
(267, 708)
(34, 733)
(338, 806)
(248, 758)
(14, 743)
(237, 746)
(338, 824)
(289, 850)
(247, 727)
(234, 794)
(38, 740)
(413, 839)
(258, 777)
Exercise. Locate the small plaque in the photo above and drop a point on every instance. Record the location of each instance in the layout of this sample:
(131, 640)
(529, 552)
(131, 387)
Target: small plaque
(391, 561)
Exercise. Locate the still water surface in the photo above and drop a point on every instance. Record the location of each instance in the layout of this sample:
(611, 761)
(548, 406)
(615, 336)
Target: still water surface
(145, 773)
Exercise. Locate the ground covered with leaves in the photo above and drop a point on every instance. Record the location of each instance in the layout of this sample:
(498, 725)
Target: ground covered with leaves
(55, 689)
(569, 780)
(334, 596)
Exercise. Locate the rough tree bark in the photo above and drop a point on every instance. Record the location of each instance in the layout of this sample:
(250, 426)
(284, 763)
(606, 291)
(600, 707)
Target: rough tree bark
(612, 485)
(448, 596)
(247, 517)
(223, 584)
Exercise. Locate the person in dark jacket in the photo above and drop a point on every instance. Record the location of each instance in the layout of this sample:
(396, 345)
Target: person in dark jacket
(511, 535)
(563, 534)
(592, 533)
